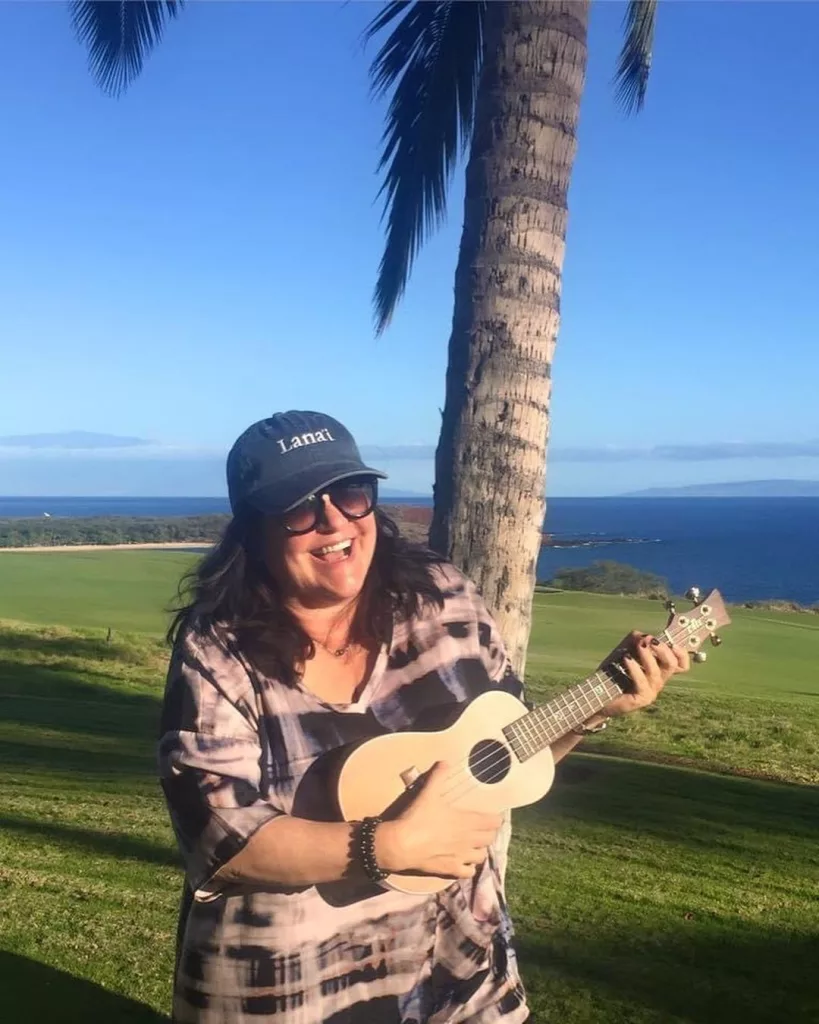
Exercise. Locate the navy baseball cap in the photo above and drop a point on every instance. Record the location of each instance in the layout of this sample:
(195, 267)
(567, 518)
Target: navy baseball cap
(278, 462)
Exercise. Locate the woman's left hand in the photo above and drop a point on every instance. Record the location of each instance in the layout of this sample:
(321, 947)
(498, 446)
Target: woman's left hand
(649, 663)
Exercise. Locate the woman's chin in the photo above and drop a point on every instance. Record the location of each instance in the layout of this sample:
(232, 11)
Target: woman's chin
(341, 584)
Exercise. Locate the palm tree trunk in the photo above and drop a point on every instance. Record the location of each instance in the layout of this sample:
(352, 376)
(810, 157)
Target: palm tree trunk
(490, 466)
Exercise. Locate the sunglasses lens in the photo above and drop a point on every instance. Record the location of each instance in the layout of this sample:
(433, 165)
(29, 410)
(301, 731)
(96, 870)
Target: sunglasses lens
(354, 498)
(301, 518)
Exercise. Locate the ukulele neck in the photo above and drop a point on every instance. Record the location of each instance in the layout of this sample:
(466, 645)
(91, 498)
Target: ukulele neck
(547, 723)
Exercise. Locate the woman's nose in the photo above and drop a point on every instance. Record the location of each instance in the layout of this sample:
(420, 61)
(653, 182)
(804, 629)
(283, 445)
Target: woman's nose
(331, 519)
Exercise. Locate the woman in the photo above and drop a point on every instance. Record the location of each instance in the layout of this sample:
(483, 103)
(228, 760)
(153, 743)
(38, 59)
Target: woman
(312, 625)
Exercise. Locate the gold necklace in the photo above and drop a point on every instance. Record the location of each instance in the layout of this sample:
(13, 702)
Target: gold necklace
(336, 652)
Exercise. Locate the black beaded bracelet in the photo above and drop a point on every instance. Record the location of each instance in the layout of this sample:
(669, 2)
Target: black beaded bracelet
(365, 849)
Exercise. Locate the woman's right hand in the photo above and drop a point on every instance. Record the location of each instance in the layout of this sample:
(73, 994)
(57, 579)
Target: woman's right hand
(433, 836)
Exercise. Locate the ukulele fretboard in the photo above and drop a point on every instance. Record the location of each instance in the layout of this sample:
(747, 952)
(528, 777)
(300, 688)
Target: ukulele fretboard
(547, 723)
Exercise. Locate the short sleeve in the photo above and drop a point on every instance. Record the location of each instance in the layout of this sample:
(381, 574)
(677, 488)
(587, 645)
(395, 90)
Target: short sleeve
(209, 758)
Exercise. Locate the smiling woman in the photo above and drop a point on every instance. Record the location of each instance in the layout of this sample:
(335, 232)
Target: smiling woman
(313, 624)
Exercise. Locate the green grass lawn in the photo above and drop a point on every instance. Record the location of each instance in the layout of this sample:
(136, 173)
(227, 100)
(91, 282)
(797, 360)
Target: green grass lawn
(643, 892)
(126, 590)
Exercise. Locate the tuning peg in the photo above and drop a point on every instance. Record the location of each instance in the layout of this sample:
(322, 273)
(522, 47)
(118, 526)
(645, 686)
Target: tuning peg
(693, 594)
(699, 656)
(715, 640)
(670, 607)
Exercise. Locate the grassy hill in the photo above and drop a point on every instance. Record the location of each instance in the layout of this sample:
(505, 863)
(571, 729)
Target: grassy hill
(126, 590)
(644, 892)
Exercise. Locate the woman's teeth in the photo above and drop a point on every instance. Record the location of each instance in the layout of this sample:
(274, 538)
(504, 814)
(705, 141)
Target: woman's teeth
(340, 550)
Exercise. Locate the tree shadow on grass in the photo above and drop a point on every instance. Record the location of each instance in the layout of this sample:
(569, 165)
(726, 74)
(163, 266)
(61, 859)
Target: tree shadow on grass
(76, 762)
(52, 698)
(748, 976)
(56, 724)
(112, 844)
(39, 994)
(684, 806)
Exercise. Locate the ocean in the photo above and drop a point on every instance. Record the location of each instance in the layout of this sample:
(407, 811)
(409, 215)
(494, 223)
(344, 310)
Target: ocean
(751, 548)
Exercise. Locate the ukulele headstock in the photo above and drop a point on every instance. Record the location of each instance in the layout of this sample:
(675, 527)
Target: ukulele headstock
(690, 629)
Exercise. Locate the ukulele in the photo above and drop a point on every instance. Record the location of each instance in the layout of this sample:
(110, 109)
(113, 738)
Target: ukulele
(499, 749)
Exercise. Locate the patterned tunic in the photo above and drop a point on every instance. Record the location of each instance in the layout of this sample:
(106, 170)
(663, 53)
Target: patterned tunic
(235, 752)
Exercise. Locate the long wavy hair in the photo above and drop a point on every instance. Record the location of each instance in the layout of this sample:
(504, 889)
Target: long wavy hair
(231, 592)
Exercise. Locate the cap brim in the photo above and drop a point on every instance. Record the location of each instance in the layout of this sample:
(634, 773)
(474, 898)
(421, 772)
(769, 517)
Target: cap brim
(284, 496)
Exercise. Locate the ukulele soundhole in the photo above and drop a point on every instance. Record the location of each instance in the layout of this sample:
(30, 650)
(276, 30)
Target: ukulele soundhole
(489, 761)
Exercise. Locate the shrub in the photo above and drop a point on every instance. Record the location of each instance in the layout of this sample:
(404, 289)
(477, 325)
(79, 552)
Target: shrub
(607, 577)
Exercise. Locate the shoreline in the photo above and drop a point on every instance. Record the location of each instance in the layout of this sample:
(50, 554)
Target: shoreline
(413, 521)
(187, 545)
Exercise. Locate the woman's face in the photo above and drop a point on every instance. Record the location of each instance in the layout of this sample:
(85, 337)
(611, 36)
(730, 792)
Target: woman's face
(310, 574)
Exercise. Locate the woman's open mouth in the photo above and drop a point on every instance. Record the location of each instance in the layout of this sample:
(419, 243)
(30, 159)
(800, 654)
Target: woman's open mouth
(334, 552)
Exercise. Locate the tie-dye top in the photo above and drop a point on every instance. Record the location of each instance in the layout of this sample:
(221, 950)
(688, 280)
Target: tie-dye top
(234, 751)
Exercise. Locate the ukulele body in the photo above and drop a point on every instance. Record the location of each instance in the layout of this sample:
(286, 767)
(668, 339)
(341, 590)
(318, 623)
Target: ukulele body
(379, 777)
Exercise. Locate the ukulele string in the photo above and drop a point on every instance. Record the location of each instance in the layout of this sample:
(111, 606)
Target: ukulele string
(465, 773)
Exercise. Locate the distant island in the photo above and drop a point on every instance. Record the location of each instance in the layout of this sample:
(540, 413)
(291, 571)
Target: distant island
(735, 489)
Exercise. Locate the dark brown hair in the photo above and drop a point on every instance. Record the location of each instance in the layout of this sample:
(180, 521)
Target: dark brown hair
(231, 590)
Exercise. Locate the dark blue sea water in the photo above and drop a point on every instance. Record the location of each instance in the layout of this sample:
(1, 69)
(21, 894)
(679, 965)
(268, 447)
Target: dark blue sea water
(751, 548)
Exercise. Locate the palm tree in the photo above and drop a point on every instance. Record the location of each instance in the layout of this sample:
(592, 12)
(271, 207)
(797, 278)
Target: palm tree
(503, 82)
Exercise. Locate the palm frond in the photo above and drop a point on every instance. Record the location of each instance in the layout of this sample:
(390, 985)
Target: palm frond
(119, 35)
(634, 64)
(432, 58)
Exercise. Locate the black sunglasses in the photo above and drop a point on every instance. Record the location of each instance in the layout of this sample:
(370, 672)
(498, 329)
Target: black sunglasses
(353, 498)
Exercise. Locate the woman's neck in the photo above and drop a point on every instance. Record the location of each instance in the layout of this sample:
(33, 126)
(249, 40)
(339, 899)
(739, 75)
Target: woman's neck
(329, 624)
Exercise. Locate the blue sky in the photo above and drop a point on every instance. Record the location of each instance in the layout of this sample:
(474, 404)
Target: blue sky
(182, 261)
